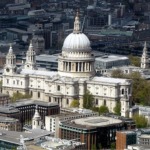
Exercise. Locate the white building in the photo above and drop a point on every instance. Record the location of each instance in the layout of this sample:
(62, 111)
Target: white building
(75, 75)
(36, 120)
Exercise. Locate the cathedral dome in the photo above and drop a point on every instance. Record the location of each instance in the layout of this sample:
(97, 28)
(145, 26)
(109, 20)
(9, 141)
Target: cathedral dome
(76, 40)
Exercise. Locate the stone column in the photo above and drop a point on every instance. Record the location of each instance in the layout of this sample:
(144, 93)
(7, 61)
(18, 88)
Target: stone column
(85, 66)
(78, 66)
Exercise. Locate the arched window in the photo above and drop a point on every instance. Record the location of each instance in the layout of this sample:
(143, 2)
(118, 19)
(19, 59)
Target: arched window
(67, 101)
(122, 91)
(49, 99)
(38, 94)
(31, 93)
(96, 101)
(104, 102)
(58, 88)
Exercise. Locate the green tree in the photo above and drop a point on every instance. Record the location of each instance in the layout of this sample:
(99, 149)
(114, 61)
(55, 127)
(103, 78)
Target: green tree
(117, 108)
(75, 103)
(88, 100)
(113, 146)
(18, 95)
(93, 147)
(140, 120)
(117, 73)
(103, 109)
(135, 60)
(96, 109)
(138, 84)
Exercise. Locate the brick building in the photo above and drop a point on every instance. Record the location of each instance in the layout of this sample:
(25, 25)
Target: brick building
(124, 138)
(93, 131)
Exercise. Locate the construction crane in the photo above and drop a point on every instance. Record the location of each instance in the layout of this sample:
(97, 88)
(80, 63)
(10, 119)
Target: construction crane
(82, 28)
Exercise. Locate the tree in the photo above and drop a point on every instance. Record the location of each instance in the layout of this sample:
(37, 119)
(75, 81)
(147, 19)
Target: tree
(103, 109)
(117, 73)
(96, 109)
(117, 108)
(140, 120)
(93, 147)
(139, 84)
(75, 103)
(18, 95)
(113, 146)
(135, 60)
(88, 100)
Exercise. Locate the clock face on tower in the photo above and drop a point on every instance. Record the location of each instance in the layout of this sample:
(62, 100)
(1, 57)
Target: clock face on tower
(7, 69)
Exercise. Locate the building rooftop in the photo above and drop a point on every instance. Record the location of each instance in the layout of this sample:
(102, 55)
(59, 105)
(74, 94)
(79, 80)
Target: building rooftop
(7, 119)
(8, 110)
(97, 121)
(110, 58)
(38, 72)
(109, 80)
(14, 137)
(127, 132)
(47, 58)
(145, 136)
(24, 102)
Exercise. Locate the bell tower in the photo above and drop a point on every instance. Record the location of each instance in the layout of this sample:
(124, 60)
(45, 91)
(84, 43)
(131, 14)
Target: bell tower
(36, 120)
(144, 58)
(30, 58)
(10, 66)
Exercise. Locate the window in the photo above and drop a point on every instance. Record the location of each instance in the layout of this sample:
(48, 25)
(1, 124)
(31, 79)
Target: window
(122, 91)
(58, 88)
(13, 82)
(17, 82)
(31, 93)
(49, 99)
(96, 102)
(67, 101)
(38, 94)
(7, 80)
(104, 102)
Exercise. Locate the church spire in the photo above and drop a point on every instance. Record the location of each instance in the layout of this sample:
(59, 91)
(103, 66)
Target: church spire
(77, 24)
(30, 58)
(10, 48)
(144, 58)
(36, 120)
(10, 66)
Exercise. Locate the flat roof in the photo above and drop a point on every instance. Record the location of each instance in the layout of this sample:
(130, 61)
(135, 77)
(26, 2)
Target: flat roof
(8, 110)
(47, 58)
(14, 137)
(18, 30)
(24, 102)
(147, 136)
(109, 80)
(97, 121)
(127, 132)
(38, 72)
(111, 58)
(7, 119)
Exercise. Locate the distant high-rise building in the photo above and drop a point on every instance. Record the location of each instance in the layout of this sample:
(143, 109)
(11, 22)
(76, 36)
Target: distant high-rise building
(20, 1)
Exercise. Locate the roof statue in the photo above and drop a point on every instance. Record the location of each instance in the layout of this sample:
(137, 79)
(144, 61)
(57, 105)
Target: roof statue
(10, 48)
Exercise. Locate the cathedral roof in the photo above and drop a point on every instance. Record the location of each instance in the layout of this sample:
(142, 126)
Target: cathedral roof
(76, 40)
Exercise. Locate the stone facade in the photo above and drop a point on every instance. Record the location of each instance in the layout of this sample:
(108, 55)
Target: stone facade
(75, 75)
